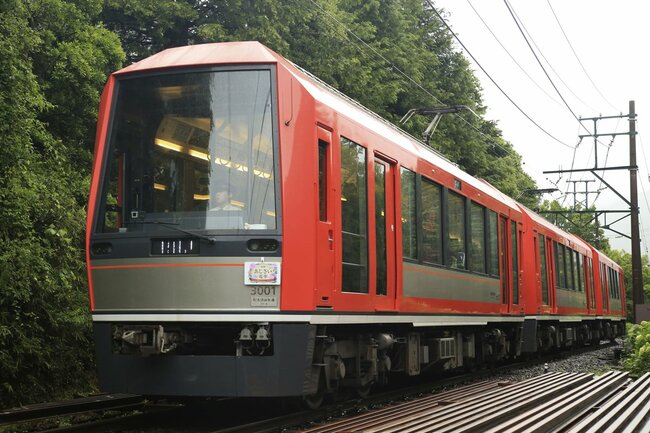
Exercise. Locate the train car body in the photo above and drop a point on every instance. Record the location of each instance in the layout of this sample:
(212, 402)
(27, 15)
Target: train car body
(253, 232)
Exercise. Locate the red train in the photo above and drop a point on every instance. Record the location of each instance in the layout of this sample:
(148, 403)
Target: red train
(253, 232)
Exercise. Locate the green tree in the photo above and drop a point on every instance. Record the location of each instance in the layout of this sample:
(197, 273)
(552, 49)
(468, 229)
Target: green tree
(581, 224)
(400, 56)
(624, 259)
(53, 62)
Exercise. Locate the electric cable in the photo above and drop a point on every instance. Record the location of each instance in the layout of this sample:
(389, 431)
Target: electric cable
(576, 56)
(519, 26)
(511, 56)
(492, 79)
(410, 79)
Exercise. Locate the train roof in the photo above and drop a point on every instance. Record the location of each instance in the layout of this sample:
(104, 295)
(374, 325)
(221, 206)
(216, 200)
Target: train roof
(602, 257)
(538, 219)
(252, 52)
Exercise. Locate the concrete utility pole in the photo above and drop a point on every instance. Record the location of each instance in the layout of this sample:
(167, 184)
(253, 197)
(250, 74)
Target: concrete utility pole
(637, 272)
(641, 311)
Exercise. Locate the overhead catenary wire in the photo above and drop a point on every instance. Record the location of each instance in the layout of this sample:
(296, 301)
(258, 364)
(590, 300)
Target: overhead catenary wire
(492, 79)
(404, 74)
(526, 39)
(496, 38)
(409, 78)
(577, 57)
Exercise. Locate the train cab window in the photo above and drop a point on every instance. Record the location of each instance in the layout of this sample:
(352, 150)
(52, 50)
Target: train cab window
(431, 222)
(515, 262)
(409, 222)
(542, 268)
(456, 232)
(477, 238)
(196, 150)
(112, 218)
(493, 243)
(354, 219)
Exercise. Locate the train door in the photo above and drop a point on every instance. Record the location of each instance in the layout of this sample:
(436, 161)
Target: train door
(605, 288)
(550, 273)
(504, 259)
(325, 231)
(384, 215)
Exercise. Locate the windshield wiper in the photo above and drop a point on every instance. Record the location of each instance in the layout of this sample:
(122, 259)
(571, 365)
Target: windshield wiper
(212, 240)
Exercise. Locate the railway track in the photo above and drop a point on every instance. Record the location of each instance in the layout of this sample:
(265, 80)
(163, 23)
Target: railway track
(94, 412)
(133, 413)
(302, 420)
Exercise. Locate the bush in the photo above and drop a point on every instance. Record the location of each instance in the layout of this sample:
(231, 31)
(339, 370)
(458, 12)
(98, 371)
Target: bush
(637, 349)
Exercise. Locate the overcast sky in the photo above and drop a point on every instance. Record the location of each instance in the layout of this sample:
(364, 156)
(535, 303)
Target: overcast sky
(612, 41)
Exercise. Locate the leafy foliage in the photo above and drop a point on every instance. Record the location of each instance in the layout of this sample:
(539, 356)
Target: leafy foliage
(391, 39)
(583, 225)
(637, 349)
(54, 58)
(624, 259)
(53, 62)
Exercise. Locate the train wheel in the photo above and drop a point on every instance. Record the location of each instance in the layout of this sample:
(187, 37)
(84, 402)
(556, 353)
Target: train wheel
(363, 391)
(313, 401)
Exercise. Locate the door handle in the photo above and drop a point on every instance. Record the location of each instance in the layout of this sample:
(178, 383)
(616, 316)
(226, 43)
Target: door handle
(330, 239)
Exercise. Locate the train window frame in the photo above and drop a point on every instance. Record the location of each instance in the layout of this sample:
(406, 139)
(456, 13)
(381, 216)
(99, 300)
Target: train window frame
(363, 225)
(477, 209)
(323, 169)
(492, 233)
(423, 184)
(581, 272)
(592, 288)
(98, 217)
(560, 266)
(514, 260)
(543, 268)
(461, 255)
(413, 231)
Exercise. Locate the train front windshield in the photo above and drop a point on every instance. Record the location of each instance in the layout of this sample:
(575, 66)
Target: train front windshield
(195, 150)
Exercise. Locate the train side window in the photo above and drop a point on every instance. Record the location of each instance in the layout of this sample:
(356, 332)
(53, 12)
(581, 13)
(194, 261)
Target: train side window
(380, 228)
(322, 180)
(581, 272)
(456, 233)
(409, 223)
(592, 285)
(354, 218)
(111, 216)
(560, 282)
(515, 262)
(574, 270)
(493, 243)
(566, 267)
(477, 238)
(603, 283)
(542, 269)
(431, 222)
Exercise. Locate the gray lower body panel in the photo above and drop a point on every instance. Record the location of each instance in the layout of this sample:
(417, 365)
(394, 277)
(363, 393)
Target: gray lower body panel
(285, 373)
